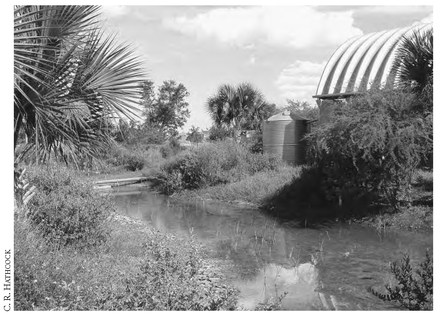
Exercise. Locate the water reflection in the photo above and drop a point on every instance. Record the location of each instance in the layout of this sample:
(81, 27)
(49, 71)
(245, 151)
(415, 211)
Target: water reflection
(326, 268)
(299, 285)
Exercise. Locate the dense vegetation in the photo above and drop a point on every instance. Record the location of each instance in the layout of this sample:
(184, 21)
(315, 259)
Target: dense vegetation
(212, 164)
(63, 64)
(374, 154)
(73, 253)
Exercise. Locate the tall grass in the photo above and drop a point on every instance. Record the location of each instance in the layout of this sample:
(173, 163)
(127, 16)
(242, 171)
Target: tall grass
(212, 164)
(253, 189)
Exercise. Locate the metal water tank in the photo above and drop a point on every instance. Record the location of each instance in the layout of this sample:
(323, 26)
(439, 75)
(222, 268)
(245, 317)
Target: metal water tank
(283, 134)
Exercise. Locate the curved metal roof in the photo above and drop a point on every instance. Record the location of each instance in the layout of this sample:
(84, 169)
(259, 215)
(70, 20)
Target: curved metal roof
(363, 62)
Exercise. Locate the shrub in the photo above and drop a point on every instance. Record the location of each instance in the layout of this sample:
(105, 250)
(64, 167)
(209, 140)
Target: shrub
(272, 304)
(170, 149)
(413, 293)
(217, 133)
(371, 147)
(173, 278)
(212, 164)
(130, 158)
(255, 143)
(135, 162)
(66, 210)
(133, 135)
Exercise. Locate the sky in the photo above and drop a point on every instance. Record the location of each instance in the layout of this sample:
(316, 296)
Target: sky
(281, 50)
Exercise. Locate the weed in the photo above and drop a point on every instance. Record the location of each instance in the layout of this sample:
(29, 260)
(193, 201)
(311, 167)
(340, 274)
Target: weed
(66, 210)
(167, 273)
(413, 293)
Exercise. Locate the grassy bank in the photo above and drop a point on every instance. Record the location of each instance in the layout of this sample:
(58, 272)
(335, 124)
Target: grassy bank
(68, 257)
(213, 164)
(229, 172)
(138, 269)
(250, 191)
(418, 216)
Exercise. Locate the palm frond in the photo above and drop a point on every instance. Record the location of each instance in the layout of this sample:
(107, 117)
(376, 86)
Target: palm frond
(414, 59)
(68, 76)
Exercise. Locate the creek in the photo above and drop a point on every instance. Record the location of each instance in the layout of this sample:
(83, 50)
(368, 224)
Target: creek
(328, 267)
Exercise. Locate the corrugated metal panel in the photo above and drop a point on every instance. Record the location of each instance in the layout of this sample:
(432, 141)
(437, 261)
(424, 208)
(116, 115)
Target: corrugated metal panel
(363, 62)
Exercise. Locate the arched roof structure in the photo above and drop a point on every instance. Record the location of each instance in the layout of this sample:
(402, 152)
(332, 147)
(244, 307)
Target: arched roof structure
(363, 62)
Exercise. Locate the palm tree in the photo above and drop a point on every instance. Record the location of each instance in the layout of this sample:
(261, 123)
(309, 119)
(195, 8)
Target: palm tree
(236, 107)
(221, 106)
(68, 78)
(414, 59)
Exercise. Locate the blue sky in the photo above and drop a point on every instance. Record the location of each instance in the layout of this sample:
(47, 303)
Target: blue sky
(282, 50)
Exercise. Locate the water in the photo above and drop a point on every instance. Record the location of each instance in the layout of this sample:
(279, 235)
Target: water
(329, 267)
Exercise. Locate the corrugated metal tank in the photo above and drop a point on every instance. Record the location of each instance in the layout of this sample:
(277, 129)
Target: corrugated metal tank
(282, 136)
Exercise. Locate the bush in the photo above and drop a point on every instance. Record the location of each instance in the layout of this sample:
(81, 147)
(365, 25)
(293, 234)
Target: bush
(135, 162)
(212, 164)
(371, 148)
(217, 133)
(170, 149)
(172, 277)
(66, 210)
(413, 293)
(133, 135)
(166, 273)
(253, 143)
(130, 158)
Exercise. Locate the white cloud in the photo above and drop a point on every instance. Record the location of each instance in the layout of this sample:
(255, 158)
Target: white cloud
(290, 26)
(427, 19)
(252, 59)
(115, 11)
(299, 80)
(395, 9)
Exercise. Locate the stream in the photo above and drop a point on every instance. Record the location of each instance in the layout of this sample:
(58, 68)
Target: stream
(324, 268)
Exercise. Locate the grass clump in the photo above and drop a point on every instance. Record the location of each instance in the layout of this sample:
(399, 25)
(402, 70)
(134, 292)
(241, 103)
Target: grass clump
(414, 218)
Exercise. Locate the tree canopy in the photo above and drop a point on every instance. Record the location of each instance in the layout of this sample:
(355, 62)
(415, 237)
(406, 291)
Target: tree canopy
(168, 109)
(302, 109)
(68, 78)
(241, 108)
(195, 135)
(414, 60)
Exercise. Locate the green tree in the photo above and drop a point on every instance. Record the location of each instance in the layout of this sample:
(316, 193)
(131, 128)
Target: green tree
(242, 107)
(372, 146)
(195, 135)
(68, 78)
(414, 60)
(148, 99)
(302, 109)
(256, 117)
(168, 110)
